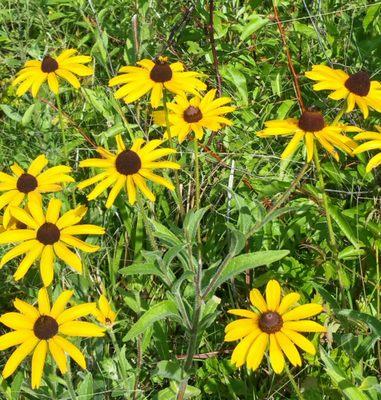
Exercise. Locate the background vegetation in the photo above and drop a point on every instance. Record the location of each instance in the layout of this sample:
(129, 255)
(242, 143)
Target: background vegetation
(239, 185)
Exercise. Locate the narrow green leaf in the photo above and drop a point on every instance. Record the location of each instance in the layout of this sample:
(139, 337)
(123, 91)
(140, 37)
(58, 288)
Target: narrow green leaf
(344, 225)
(372, 322)
(165, 309)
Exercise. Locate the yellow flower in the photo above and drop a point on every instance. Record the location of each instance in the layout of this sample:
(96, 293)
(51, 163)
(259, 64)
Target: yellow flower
(40, 331)
(30, 183)
(356, 88)
(195, 115)
(104, 314)
(273, 325)
(47, 236)
(310, 127)
(373, 144)
(65, 66)
(129, 169)
(155, 76)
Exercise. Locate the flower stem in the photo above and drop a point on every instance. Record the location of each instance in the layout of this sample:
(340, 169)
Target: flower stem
(60, 118)
(69, 384)
(325, 203)
(294, 384)
(177, 181)
(146, 223)
(194, 331)
(338, 116)
(122, 368)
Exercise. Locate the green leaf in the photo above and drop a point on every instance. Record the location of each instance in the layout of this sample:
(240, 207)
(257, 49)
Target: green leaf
(10, 113)
(372, 322)
(254, 24)
(340, 379)
(144, 268)
(192, 221)
(350, 253)
(164, 234)
(242, 263)
(165, 309)
(344, 225)
(169, 370)
(86, 388)
(28, 115)
(171, 392)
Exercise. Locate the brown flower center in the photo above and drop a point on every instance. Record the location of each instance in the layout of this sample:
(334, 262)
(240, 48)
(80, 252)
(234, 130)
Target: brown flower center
(161, 72)
(26, 183)
(49, 64)
(270, 322)
(128, 162)
(311, 121)
(358, 83)
(48, 233)
(192, 114)
(108, 321)
(45, 327)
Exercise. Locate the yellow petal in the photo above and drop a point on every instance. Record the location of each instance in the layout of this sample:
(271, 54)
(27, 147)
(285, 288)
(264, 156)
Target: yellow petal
(273, 294)
(240, 352)
(14, 338)
(47, 265)
(18, 356)
(81, 328)
(17, 321)
(58, 355)
(60, 304)
(257, 351)
(304, 326)
(304, 311)
(68, 256)
(288, 348)
(258, 301)
(43, 302)
(276, 355)
(300, 341)
(70, 349)
(38, 362)
(75, 312)
(287, 301)
(244, 313)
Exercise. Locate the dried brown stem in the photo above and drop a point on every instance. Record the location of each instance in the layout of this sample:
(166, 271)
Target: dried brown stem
(79, 129)
(289, 59)
(213, 46)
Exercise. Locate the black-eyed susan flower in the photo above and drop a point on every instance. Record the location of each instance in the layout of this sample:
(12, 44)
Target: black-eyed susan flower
(155, 76)
(374, 143)
(46, 237)
(356, 88)
(196, 114)
(29, 184)
(310, 127)
(129, 168)
(272, 325)
(40, 331)
(67, 65)
(104, 313)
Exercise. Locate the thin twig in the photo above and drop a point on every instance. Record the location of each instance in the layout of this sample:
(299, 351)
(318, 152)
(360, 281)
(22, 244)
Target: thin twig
(289, 60)
(79, 129)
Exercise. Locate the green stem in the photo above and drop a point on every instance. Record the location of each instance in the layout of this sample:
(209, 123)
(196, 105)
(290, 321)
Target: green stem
(60, 118)
(325, 203)
(69, 384)
(147, 225)
(338, 116)
(122, 368)
(193, 334)
(196, 173)
(177, 180)
(294, 384)
(378, 283)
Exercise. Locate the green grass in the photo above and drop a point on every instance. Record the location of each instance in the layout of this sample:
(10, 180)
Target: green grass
(236, 192)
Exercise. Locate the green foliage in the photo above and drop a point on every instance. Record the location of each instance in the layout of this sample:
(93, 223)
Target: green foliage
(153, 290)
